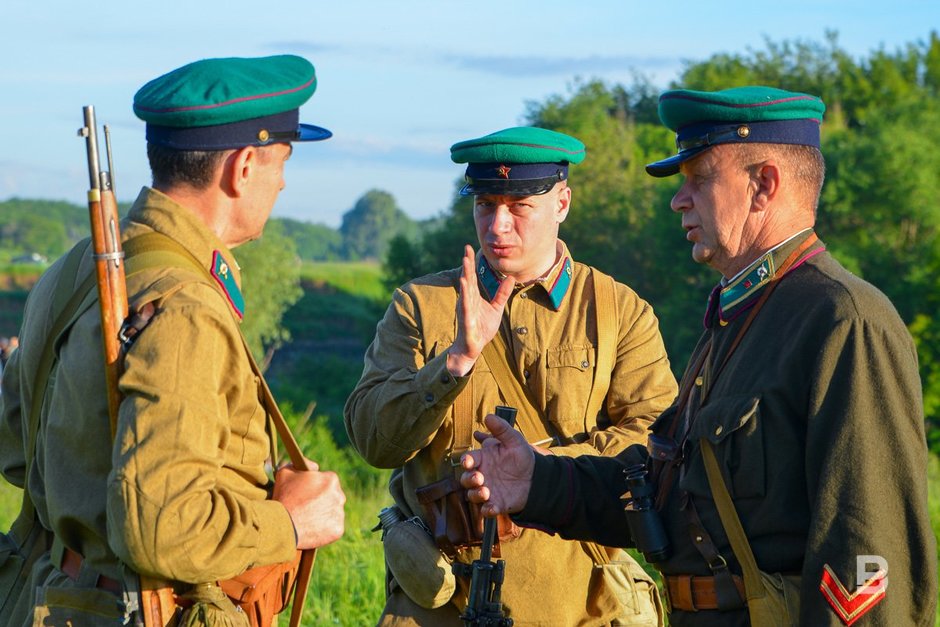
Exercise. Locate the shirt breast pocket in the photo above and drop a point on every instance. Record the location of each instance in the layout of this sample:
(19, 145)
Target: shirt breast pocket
(569, 376)
(734, 427)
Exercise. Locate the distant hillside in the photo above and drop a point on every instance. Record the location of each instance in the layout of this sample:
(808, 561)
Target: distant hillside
(47, 228)
(331, 326)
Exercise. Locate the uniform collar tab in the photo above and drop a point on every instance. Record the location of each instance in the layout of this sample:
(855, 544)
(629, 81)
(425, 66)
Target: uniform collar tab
(555, 283)
(221, 271)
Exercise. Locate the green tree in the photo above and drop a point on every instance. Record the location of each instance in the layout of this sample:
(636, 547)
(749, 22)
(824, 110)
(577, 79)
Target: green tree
(271, 284)
(315, 242)
(402, 262)
(371, 224)
(41, 226)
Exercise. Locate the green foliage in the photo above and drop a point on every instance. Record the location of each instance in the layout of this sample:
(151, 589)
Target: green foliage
(370, 225)
(315, 242)
(402, 262)
(332, 324)
(437, 247)
(271, 284)
(348, 583)
(40, 226)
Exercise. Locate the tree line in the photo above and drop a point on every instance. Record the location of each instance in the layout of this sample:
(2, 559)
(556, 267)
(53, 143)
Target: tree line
(48, 228)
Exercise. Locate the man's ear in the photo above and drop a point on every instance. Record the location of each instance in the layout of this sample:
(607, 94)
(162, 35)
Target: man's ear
(564, 204)
(766, 179)
(237, 169)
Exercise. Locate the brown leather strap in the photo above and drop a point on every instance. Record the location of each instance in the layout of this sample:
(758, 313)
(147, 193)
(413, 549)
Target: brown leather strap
(72, 566)
(691, 594)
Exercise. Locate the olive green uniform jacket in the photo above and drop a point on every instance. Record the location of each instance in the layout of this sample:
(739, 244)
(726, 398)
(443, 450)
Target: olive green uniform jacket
(817, 422)
(400, 415)
(183, 494)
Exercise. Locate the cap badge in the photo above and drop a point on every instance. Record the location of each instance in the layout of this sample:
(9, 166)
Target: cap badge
(503, 171)
(743, 131)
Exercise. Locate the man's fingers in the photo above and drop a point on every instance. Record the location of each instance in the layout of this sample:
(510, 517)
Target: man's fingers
(503, 292)
(501, 430)
(480, 436)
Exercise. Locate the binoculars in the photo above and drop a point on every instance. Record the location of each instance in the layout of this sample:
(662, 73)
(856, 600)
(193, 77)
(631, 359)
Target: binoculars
(646, 527)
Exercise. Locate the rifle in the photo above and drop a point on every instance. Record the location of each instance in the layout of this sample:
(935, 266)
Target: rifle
(484, 607)
(157, 598)
(157, 602)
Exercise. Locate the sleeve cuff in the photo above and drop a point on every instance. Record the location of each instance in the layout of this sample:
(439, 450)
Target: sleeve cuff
(435, 384)
(550, 499)
(277, 538)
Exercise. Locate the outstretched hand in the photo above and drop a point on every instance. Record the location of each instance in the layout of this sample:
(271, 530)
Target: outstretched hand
(499, 475)
(478, 320)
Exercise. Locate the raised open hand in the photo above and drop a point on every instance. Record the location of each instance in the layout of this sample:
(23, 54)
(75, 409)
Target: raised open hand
(478, 320)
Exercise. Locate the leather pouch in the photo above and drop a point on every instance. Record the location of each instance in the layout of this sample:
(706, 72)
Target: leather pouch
(455, 523)
(264, 591)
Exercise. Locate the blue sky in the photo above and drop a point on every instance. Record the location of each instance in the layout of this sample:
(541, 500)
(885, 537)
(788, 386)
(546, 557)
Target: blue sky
(399, 82)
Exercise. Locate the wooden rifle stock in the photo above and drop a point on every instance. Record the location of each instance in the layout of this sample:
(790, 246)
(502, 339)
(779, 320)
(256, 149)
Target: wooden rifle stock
(157, 602)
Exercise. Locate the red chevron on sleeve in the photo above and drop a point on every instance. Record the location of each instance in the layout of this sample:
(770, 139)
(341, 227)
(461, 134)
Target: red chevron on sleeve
(851, 607)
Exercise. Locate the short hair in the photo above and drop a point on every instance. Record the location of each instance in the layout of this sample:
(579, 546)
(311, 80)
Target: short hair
(171, 167)
(804, 163)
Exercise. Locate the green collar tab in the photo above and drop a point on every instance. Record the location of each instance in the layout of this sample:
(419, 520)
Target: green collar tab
(556, 283)
(224, 276)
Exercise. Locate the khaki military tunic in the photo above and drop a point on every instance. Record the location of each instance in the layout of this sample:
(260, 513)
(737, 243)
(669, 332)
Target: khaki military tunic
(183, 493)
(817, 424)
(400, 415)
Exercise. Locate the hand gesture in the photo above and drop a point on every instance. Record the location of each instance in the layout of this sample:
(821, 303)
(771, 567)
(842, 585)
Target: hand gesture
(499, 475)
(478, 320)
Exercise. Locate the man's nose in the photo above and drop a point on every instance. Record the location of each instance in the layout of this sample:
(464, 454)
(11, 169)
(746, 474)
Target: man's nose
(502, 219)
(682, 200)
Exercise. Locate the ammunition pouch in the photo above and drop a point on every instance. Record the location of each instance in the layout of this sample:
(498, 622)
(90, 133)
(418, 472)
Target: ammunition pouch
(455, 523)
(264, 591)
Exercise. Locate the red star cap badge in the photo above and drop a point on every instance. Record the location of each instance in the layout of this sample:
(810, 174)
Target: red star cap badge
(503, 171)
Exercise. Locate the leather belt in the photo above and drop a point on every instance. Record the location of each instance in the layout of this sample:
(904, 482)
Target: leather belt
(690, 594)
(72, 566)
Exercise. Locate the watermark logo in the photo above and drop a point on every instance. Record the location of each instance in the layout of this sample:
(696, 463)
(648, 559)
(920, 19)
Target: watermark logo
(865, 575)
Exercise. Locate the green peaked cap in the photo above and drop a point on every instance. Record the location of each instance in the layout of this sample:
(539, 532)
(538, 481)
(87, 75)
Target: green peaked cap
(755, 114)
(681, 107)
(212, 92)
(521, 144)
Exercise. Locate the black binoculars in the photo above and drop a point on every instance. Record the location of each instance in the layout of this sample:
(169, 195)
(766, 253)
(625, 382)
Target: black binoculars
(646, 527)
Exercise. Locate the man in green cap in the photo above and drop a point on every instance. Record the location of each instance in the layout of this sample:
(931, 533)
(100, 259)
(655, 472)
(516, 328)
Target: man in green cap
(519, 323)
(787, 484)
(183, 494)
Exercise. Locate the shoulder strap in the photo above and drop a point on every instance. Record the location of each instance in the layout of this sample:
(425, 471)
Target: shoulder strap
(152, 250)
(529, 416)
(66, 311)
(605, 304)
(732, 524)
